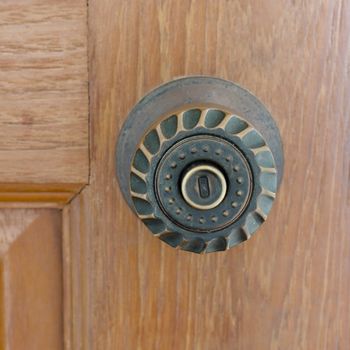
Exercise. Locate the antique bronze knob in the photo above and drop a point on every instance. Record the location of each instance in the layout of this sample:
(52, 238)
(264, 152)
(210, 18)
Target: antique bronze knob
(200, 160)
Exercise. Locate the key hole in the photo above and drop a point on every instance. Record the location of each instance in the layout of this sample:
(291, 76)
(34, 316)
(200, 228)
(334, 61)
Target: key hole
(203, 184)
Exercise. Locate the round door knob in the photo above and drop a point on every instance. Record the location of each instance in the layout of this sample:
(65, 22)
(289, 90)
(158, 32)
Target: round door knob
(200, 160)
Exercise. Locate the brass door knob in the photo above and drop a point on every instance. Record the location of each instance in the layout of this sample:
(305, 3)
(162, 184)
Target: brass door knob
(200, 160)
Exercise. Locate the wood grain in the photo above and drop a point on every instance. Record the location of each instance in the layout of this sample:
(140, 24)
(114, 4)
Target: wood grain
(43, 93)
(31, 279)
(286, 288)
(76, 276)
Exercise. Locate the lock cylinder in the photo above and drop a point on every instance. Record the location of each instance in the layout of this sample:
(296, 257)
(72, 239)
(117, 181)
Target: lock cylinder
(203, 186)
(202, 176)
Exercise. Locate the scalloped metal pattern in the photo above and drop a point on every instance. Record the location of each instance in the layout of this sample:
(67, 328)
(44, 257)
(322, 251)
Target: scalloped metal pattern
(203, 120)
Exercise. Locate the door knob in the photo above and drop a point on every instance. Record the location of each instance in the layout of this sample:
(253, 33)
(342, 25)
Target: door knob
(200, 160)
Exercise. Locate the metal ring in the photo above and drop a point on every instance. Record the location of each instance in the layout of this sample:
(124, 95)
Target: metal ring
(211, 169)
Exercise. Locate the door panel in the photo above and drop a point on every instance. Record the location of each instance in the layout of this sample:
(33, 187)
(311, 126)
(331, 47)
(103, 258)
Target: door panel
(31, 279)
(44, 163)
(44, 99)
(286, 288)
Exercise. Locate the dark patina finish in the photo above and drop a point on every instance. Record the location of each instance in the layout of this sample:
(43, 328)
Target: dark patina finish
(200, 160)
(193, 153)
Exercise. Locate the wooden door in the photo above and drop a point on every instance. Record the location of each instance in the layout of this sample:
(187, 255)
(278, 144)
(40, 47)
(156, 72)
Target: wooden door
(78, 270)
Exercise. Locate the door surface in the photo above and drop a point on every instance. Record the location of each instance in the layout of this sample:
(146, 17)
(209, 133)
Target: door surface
(78, 269)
